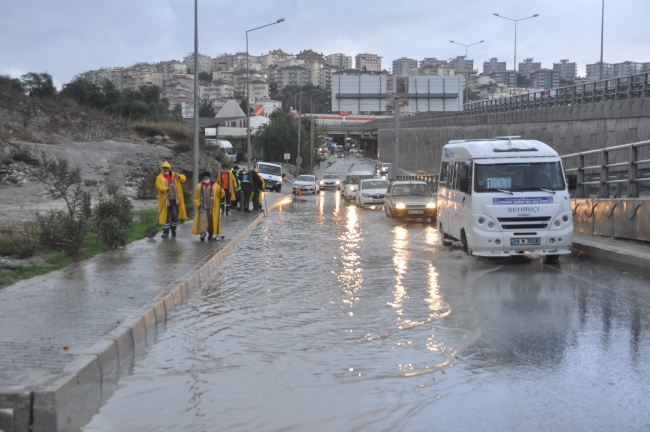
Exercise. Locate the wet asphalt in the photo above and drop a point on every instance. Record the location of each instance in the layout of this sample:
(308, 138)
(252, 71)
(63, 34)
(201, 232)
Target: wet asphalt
(333, 318)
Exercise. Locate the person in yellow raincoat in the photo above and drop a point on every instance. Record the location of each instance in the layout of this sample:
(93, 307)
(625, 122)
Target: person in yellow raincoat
(258, 190)
(171, 203)
(207, 197)
(260, 196)
(226, 179)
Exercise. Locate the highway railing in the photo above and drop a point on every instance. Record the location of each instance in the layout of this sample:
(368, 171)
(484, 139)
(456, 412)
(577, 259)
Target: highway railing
(430, 179)
(618, 166)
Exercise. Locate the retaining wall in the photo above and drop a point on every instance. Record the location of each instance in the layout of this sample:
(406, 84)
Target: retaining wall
(566, 129)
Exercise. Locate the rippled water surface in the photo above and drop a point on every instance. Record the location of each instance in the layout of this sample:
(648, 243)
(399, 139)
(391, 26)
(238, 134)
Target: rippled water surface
(332, 318)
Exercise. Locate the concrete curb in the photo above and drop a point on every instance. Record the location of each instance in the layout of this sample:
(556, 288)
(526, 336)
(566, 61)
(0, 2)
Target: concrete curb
(90, 379)
(619, 260)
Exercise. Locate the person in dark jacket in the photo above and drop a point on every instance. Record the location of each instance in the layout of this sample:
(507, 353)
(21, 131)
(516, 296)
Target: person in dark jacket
(246, 181)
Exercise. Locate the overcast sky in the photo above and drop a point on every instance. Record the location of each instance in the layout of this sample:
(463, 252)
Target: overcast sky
(66, 37)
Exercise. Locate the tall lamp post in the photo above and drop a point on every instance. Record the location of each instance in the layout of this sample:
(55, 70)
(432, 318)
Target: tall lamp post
(248, 91)
(195, 147)
(467, 81)
(516, 21)
(311, 145)
(602, 41)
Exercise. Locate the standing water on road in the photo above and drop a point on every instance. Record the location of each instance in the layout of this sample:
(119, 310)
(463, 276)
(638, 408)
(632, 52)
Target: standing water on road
(333, 318)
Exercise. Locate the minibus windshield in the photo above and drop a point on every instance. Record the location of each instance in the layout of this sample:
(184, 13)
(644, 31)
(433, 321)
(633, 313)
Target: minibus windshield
(519, 176)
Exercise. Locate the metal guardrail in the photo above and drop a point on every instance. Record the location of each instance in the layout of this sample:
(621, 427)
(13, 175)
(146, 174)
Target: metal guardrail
(430, 179)
(630, 87)
(631, 178)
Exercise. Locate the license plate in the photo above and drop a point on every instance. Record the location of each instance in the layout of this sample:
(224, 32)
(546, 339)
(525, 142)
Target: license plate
(524, 241)
(415, 211)
(378, 201)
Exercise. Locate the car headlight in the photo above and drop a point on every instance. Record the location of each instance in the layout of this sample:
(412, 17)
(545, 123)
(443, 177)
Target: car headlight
(338, 182)
(322, 182)
(431, 205)
(352, 189)
(400, 206)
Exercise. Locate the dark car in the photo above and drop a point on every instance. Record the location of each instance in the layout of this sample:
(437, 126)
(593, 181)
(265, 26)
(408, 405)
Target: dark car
(410, 200)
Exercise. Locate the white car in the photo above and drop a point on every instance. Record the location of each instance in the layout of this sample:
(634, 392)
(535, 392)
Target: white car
(307, 184)
(371, 192)
(352, 182)
(330, 180)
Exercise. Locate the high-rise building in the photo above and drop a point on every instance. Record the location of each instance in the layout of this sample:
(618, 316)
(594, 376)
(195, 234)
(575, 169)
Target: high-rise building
(528, 67)
(293, 75)
(368, 62)
(545, 79)
(310, 56)
(494, 65)
(205, 62)
(402, 66)
(339, 60)
(567, 71)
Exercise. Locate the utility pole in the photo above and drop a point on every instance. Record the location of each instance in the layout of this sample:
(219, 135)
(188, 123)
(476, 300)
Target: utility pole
(396, 162)
(195, 149)
(602, 41)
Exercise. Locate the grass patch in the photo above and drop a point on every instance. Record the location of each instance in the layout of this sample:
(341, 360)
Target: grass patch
(46, 261)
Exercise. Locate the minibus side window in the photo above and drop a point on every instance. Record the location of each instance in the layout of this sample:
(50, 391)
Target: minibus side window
(460, 171)
(444, 174)
(452, 176)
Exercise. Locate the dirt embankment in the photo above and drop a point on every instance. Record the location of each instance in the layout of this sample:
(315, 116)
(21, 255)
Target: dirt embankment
(104, 148)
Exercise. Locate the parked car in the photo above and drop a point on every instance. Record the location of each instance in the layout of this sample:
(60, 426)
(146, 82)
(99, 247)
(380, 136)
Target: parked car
(352, 182)
(384, 168)
(272, 175)
(371, 192)
(306, 183)
(225, 146)
(330, 180)
(410, 200)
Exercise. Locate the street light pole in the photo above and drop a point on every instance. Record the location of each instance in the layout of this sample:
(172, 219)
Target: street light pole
(515, 21)
(467, 80)
(602, 39)
(248, 91)
(195, 147)
(311, 143)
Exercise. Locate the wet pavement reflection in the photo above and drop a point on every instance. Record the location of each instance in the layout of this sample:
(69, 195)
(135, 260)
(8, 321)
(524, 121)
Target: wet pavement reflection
(330, 317)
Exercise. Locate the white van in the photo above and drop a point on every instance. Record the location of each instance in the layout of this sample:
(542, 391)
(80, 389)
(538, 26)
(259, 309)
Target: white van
(226, 146)
(272, 175)
(504, 197)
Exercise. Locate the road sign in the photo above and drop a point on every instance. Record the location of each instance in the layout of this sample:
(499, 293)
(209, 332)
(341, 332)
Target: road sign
(298, 160)
(287, 156)
(344, 113)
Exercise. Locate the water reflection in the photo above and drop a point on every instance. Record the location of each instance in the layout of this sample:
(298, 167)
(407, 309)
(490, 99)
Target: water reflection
(400, 256)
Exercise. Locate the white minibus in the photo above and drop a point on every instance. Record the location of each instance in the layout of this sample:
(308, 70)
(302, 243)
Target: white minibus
(504, 197)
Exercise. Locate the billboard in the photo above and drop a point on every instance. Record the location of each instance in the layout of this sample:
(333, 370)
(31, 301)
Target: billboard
(435, 93)
(358, 93)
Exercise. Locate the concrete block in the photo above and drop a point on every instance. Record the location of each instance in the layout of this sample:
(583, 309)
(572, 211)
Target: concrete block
(604, 217)
(625, 219)
(123, 337)
(56, 403)
(169, 304)
(138, 333)
(15, 408)
(583, 220)
(107, 355)
(159, 310)
(185, 289)
(642, 219)
(149, 319)
(178, 296)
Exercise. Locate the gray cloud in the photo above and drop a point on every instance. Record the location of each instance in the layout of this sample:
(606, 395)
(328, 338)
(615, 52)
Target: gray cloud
(70, 36)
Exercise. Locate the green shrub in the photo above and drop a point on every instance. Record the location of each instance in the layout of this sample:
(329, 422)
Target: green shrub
(113, 218)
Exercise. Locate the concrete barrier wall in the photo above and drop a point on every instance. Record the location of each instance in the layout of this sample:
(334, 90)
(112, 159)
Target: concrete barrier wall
(620, 218)
(566, 129)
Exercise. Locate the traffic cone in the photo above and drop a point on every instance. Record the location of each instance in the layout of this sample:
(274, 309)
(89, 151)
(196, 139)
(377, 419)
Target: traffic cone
(298, 193)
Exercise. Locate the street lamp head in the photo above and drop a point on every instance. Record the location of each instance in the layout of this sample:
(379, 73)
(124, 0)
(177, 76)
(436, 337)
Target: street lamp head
(481, 41)
(280, 20)
(536, 15)
(452, 41)
(496, 14)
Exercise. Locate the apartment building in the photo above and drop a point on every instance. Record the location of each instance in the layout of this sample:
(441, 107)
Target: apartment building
(528, 67)
(402, 67)
(325, 75)
(368, 62)
(433, 70)
(293, 75)
(545, 79)
(205, 62)
(269, 105)
(222, 75)
(567, 70)
(239, 79)
(310, 56)
(273, 58)
(259, 89)
(169, 68)
(494, 65)
(433, 62)
(339, 60)
(507, 77)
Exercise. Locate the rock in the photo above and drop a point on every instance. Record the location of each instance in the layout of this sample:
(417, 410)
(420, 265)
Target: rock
(166, 137)
(90, 182)
(158, 138)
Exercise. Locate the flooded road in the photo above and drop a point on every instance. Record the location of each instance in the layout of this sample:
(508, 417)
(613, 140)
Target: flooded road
(333, 318)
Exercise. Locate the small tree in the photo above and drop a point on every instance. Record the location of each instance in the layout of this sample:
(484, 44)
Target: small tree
(205, 76)
(206, 110)
(63, 182)
(39, 85)
(113, 218)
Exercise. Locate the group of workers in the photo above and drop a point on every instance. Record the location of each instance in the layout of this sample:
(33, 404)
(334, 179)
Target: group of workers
(231, 190)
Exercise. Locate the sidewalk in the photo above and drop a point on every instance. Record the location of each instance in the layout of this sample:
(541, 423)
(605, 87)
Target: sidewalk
(629, 256)
(49, 323)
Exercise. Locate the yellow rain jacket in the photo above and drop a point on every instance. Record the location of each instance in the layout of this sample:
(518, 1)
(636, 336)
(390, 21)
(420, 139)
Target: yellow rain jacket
(162, 194)
(261, 199)
(232, 184)
(217, 194)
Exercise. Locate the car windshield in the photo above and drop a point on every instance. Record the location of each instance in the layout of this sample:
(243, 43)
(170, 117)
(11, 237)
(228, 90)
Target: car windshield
(378, 184)
(269, 169)
(355, 179)
(338, 149)
(411, 190)
(330, 176)
(305, 178)
(519, 177)
(229, 150)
